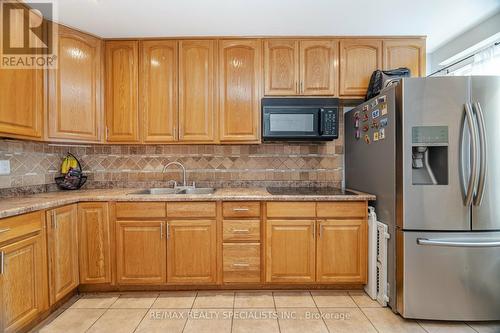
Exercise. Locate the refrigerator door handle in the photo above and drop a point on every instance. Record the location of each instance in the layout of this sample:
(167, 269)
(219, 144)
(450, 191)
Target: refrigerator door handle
(458, 243)
(473, 172)
(482, 154)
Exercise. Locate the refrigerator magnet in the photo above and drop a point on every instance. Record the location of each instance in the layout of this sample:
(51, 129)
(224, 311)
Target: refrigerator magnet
(366, 128)
(367, 139)
(356, 123)
(383, 108)
(374, 124)
(381, 134)
(365, 117)
(365, 108)
(381, 99)
(375, 136)
(357, 135)
(384, 122)
(375, 113)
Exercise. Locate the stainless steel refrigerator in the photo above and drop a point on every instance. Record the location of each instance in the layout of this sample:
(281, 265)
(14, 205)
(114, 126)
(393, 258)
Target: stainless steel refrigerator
(429, 148)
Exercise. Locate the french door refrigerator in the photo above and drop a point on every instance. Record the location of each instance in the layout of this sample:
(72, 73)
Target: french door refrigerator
(429, 148)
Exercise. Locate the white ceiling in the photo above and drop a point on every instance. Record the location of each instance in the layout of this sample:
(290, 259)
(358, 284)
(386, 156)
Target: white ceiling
(440, 20)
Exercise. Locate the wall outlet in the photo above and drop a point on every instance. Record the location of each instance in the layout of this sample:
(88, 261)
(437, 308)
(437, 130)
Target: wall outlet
(4, 167)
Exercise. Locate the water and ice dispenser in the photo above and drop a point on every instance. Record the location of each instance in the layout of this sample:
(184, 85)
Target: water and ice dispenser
(430, 155)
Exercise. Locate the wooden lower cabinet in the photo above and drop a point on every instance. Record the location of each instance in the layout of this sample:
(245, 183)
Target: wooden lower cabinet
(342, 251)
(290, 251)
(94, 243)
(140, 252)
(192, 251)
(23, 282)
(63, 251)
(241, 262)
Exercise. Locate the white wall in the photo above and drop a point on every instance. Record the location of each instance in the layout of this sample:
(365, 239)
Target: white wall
(476, 34)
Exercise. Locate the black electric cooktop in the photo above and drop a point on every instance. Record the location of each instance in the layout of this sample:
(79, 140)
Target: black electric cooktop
(307, 191)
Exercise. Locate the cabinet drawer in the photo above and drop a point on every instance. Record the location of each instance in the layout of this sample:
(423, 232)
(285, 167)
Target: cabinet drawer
(347, 209)
(241, 262)
(241, 209)
(140, 210)
(18, 226)
(241, 230)
(191, 209)
(291, 209)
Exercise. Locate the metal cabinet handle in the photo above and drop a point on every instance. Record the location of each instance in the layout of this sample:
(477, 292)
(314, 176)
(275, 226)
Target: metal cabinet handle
(241, 265)
(473, 172)
(54, 219)
(314, 230)
(168, 230)
(241, 231)
(4, 230)
(2, 262)
(161, 230)
(320, 229)
(458, 243)
(241, 209)
(482, 154)
(301, 86)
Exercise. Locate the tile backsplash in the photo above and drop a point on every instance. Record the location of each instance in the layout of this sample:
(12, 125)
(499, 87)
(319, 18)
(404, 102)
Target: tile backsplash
(34, 165)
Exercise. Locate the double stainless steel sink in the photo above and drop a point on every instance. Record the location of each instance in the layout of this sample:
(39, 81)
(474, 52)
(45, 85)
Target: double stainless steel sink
(176, 191)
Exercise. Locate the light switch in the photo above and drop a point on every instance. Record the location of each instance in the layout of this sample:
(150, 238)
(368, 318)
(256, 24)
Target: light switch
(4, 167)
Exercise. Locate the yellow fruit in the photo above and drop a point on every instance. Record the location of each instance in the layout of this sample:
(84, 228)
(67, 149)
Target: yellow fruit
(65, 165)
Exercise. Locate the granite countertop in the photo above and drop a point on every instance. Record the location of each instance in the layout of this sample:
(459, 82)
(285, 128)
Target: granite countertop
(16, 206)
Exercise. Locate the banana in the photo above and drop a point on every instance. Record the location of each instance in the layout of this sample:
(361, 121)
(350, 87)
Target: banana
(65, 165)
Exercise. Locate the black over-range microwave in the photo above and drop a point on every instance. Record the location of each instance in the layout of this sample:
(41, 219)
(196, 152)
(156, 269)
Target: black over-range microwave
(300, 119)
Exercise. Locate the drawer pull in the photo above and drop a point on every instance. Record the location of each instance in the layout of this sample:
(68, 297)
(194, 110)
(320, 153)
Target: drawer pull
(241, 209)
(2, 263)
(4, 230)
(241, 231)
(241, 265)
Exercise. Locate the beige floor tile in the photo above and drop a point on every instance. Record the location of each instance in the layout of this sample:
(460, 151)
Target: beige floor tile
(332, 299)
(346, 320)
(209, 321)
(255, 320)
(135, 301)
(71, 301)
(486, 327)
(175, 300)
(95, 301)
(118, 320)
(294, 299)
(445, 327)
(214, 300)
(385, 321)
(300, 320)
(163, 320)
(262, 299)
(73, 320)
(363, 300)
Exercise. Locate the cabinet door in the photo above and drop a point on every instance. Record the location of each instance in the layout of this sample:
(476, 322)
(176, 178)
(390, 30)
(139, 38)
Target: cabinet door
(122, 112)
(408, 53)
(21, 103)
(63, 251)
(319, 67)
(94, 242)
(240, 73)
(281, 67)
(158, 79)
(23, 283)
(75, 110)
(342, 251)
(290, 251)
(140, 252)
(359, 58)
(197, 111)
(192, 252)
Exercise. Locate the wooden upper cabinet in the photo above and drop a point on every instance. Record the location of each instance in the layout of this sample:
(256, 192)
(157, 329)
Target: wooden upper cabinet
(122, 112)
(358, 59)
(22, 99)
(318, 67)
(140, 252)
(197, 109)
(22, 94)
(94, 242)
(290, 250)
(75, 111)
(63, 251)
(240, 72)
(281, 67)
(408, 53)
(158, 85)
(192, 251)
(342, 251)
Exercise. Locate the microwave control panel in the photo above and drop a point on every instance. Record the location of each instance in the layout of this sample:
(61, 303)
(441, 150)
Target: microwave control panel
(329, 122)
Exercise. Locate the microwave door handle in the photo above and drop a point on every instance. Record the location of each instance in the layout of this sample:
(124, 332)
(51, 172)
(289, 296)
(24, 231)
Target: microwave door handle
(321, 121)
